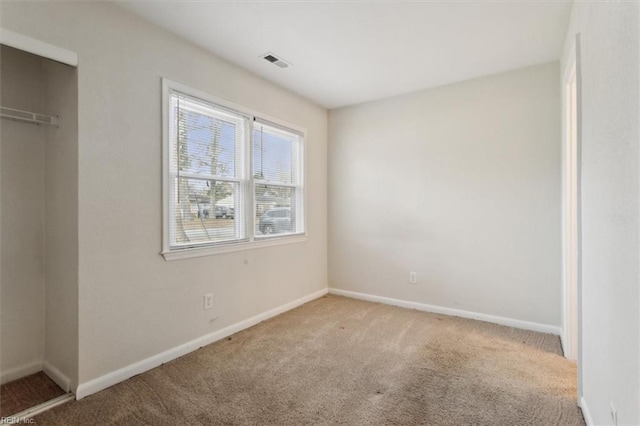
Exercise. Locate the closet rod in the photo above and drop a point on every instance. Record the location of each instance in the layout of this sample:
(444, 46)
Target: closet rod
(27, 116)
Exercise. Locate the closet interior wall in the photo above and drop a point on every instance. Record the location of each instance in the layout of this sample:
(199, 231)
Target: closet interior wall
(38, 221)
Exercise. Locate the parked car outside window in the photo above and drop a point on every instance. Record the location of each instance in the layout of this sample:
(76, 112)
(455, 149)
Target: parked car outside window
(276, 221)
(221, 212)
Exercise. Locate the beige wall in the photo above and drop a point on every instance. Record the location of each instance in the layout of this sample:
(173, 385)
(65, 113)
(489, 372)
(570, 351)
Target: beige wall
(133, 304)
(610, 68)
(460, 184)
(61, 224)
(23, 209)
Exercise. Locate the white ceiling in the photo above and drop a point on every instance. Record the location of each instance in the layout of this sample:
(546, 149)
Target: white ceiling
(350, 52)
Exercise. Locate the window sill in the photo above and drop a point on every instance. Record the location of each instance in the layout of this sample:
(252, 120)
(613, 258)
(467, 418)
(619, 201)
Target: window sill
(209, 251)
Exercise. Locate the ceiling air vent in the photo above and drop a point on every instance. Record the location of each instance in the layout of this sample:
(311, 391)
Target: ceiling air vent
(270, 57)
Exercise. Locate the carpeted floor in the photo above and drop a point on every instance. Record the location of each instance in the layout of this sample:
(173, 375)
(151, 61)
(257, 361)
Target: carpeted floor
(343, 361)
(27, 392)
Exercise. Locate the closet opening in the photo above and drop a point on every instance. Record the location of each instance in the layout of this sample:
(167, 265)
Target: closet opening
(38, 233)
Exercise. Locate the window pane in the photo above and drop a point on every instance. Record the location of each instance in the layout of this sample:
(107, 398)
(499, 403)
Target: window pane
(277, 210)
(274, 154)
(208, 140)
(207, 145)
(205, 211)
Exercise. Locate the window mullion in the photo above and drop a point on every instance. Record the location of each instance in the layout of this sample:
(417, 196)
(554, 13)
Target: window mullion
(187, 175)
(246, 182)
(272, 183)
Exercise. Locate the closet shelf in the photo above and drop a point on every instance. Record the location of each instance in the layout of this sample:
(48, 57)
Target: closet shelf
(27, 116)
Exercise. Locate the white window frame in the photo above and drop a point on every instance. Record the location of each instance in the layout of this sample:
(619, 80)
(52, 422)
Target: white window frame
(252, 240)
(240, 178)
(298, 186)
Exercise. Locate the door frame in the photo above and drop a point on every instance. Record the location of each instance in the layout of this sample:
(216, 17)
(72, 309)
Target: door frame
(571, 336)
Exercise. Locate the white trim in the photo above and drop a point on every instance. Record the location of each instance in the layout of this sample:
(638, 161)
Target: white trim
(564, 75)
(166, 166)
(37, 47)
(562, 342)
(570, 219)
(233, 247)
(585, 412)
(572, 64)
(20, 372)
(509, 322)
(110, 379)
(57, 376)
(38, 409)
(579, 151)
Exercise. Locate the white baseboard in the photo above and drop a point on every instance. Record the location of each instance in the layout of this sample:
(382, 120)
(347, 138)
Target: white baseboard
(110, 379)
(585, 412)
(57, 376)
(562, 342)
(20, 372)
(509, 322)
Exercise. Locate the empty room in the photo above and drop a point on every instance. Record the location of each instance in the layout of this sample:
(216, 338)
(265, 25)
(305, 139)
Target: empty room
(320, 212)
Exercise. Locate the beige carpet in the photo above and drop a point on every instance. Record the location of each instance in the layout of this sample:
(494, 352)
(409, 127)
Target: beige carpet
(342, 361)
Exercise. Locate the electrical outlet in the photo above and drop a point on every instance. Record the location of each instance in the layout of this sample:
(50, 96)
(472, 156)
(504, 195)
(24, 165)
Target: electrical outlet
(208, 301)
(413, 277)
(614, 414)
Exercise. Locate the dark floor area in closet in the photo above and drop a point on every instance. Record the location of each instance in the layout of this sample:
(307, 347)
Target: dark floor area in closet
(27, 392)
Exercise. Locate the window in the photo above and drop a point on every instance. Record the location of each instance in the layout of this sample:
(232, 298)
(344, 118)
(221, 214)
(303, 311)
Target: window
(277, 180)
(232, 179)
